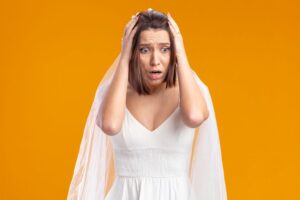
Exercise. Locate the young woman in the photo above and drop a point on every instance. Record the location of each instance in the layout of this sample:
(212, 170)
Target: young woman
(144, 118)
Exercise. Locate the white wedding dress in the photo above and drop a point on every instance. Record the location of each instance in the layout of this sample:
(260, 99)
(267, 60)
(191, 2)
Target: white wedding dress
(152, 164)
(149, 164)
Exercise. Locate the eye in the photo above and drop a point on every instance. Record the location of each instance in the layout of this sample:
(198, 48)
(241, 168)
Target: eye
(145, 49)
(141, 50)
(166, 49)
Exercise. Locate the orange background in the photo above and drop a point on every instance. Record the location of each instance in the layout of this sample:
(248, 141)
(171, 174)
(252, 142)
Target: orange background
(54, 53)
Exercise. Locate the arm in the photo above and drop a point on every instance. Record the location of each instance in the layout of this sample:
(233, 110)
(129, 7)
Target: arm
(114, 102)
(192, 103)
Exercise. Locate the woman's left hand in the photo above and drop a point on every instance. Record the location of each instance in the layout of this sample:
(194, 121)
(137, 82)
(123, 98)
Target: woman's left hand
(179, 47)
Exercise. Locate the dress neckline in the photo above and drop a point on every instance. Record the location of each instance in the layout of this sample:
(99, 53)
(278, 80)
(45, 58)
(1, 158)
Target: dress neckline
(159, 126)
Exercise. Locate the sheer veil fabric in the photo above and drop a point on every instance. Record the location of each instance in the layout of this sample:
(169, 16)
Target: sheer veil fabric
(95, 157)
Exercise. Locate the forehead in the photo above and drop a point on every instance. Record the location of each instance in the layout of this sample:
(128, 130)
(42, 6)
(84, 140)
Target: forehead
(154, 36)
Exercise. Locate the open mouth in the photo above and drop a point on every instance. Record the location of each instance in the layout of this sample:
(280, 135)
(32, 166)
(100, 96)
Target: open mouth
(155, 72)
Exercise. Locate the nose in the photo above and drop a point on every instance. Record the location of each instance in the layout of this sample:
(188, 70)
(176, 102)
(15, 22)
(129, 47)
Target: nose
(155, 58)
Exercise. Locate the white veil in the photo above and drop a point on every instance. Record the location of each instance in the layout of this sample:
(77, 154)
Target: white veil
(92, 169)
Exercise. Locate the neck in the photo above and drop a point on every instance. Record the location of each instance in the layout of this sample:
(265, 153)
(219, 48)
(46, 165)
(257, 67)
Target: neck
(155, 90)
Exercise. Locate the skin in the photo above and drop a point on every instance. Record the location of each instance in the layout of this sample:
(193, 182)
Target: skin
(149, 110)
(154, 54)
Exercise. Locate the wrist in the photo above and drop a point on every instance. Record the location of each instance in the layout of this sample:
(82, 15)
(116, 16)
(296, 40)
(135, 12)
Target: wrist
(124, 59)
(182, 60)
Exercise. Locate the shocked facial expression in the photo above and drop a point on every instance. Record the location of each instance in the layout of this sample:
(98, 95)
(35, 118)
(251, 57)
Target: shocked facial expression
(154, 53)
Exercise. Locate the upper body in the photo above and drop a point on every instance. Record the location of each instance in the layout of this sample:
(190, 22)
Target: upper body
(134, 86)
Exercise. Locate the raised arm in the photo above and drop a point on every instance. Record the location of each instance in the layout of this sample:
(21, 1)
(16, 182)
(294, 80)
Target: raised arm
(113, 106)
(114, 102)
(193, 106)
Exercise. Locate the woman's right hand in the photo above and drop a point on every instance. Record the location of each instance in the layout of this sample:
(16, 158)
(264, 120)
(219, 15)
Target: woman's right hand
(128, 36)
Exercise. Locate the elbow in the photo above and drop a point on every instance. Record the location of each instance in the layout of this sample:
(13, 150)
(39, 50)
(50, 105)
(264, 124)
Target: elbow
(205, 115)
(107, 127)
(110, 130)
(196, 120)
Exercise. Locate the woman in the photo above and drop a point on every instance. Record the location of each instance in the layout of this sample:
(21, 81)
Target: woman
(144, 115)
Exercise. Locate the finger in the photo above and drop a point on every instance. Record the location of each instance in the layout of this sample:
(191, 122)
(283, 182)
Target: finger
(130, 36)
(173, 22)
(132, 21)
(133, 31)
(170, 22)
(130, 24)
(130, 28)
(172, 28)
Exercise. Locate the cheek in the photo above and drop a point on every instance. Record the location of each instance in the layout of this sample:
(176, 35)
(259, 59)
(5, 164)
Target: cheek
(166, 61)
(144, 62)
(144, 59)
(167, 57)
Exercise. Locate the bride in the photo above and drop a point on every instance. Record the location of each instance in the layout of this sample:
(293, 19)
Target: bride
(152, 119)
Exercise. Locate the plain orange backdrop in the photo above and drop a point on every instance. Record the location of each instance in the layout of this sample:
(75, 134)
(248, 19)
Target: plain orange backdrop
(54, 54)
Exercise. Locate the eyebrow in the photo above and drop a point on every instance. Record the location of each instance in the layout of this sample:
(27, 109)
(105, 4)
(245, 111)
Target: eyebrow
(147, 44)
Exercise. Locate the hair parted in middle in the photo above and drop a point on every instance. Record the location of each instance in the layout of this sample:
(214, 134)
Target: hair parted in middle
(150, 19)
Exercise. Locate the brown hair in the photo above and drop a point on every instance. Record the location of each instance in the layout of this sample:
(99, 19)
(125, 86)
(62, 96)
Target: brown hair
(147, 20)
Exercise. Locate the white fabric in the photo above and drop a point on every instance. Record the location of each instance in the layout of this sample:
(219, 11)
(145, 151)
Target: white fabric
(150, 163)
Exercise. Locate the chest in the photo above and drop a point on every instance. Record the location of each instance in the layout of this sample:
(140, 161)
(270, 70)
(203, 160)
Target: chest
(152, 111)
(172, 134)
